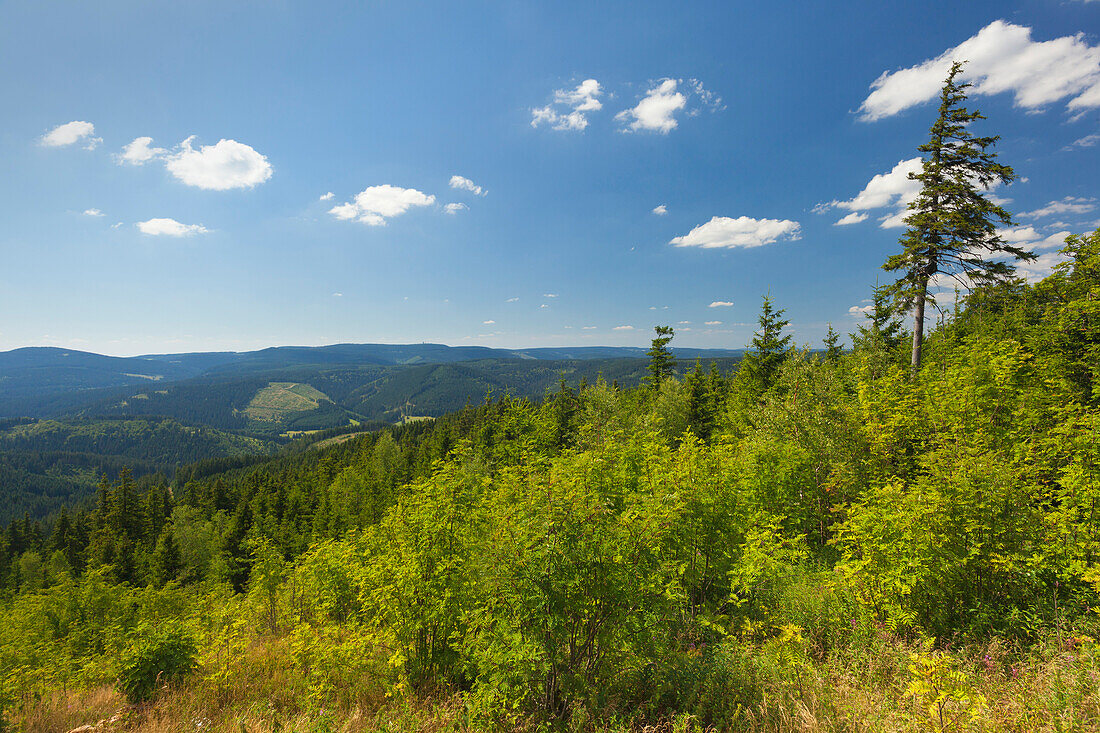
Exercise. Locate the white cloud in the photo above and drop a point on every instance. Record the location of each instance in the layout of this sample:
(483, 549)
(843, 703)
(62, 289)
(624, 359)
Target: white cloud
(720, 304)
(1031, 239)
(1068, 205)
(375, 204)
(511, 300)
(712, 323)
(549, 295)
(92, 212)
(1019, 234)
(683, 323)
(567, 111)
(655, 112)
(69, 133)
(588, 328)
(169, 228)
(226, 165)
(1001, 57)
(1088, 141)
(455, 208)
(1040, 267)
(660, 210)
(139, 152)
(744, 231)
(465, 184)
(338, 295)
(327, 196)
(544, 305)
(116, 225)
(854, 218)
(859, 310)
(488, 323)
(893, 189)
(623, 328)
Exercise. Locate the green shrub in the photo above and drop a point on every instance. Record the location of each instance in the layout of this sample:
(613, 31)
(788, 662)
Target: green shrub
(156, 657)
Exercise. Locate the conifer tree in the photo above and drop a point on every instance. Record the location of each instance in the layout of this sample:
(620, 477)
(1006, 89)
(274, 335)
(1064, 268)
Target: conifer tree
(833, 349)
(768, 348)
(661, 362)
(953, 227)
(882, 331)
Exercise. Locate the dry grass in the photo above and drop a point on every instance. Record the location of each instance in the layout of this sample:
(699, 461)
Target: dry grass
(1054, 688)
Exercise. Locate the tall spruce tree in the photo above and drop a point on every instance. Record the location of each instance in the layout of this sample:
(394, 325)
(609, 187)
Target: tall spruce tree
(661, 362)
(953, 226)
(768, 348)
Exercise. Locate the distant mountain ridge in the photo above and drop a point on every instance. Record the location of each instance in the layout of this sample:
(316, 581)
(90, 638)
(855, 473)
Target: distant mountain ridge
(39, 372)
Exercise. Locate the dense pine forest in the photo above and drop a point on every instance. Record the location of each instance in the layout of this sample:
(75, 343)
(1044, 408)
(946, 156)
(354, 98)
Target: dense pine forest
(816, 540)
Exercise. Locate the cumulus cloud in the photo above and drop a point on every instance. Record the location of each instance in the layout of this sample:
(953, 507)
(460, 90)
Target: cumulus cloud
(139, 152)
(655, 112)
(744, 231)
(169, 228)
(860, 310)
(623, 328)
(569, 108)
(455, 208)
(374, 205)
(854, 218)
(720, 304)
(92, 212)
(588, 328)
(327, 196)
(465, 184)
(712, 323)
(893, 189)
(660, 210)
(488, 323)
(549, 295)
(511, 300)
(1068, 205)
(338, 295)
(69, 133)
(226, 165)
(683, 323)
(1002, 57)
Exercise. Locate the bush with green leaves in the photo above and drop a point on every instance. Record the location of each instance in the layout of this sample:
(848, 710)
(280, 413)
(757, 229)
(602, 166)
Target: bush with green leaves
(155, 658)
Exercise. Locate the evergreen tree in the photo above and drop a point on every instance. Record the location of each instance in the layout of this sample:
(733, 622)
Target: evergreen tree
(167, 562)
(702, 403)
(953, 227)
(833, 349)
(661, 362)
(768, 349)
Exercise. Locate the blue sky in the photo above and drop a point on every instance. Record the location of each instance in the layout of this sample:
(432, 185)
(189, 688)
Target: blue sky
(506, 174)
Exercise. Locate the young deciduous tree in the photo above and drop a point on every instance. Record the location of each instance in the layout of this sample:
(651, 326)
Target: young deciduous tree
(953, 225)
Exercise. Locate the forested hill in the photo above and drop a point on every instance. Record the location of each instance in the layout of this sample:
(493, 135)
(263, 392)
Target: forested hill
(46, 381)
(46, 464)
(822, 541)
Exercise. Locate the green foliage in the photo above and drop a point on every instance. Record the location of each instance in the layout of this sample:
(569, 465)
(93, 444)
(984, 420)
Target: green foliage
(661, 362)
(706, 552)
(154, 659)
(768, 350)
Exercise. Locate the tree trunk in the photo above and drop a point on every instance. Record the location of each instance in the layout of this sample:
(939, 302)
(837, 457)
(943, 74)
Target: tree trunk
(918, 328)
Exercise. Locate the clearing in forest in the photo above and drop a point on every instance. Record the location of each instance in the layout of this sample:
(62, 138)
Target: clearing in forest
(279, 399)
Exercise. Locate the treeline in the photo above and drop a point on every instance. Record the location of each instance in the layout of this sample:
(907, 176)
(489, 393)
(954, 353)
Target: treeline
(47, 464)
